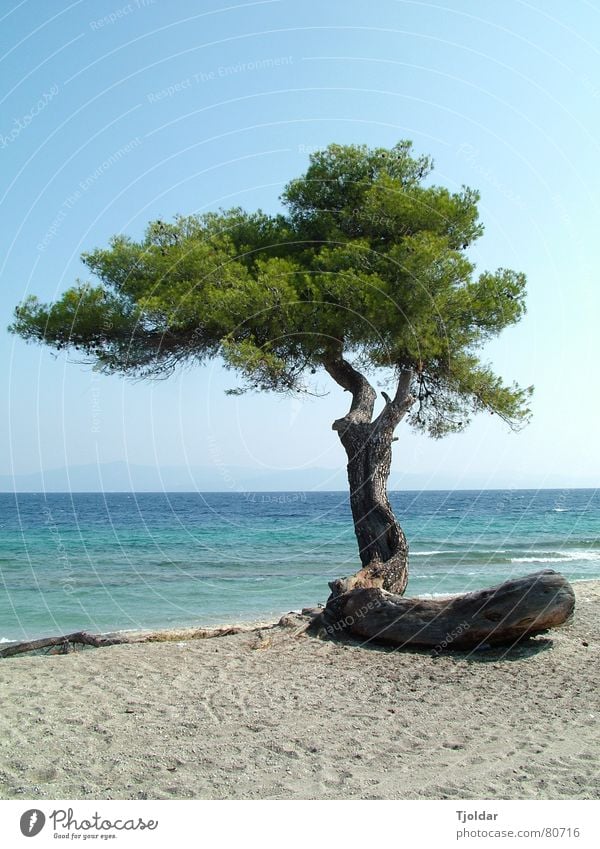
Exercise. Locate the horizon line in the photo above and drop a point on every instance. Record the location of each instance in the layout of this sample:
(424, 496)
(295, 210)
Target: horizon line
(279, 491)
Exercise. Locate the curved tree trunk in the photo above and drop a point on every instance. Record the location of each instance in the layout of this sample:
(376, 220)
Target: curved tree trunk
(382, 545)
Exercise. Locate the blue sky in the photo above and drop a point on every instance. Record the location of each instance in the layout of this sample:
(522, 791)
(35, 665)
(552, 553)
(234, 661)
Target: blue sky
(117, 113)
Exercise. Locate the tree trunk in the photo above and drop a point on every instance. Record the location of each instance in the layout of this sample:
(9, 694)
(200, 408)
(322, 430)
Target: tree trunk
(382, 545)
(381, 542)
(499, 615)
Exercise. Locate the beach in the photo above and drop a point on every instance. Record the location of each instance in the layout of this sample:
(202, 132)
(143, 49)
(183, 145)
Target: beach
(275, 713)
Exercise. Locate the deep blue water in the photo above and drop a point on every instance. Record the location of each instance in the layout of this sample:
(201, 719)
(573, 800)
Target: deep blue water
(121, 561)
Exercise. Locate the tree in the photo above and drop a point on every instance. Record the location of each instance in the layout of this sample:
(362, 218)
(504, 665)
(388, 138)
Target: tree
(366, 272)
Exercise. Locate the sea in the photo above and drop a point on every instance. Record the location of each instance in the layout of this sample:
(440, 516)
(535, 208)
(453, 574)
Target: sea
(123, 561)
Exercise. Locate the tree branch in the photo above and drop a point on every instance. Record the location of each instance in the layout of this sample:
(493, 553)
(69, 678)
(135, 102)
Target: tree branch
(363, 394)
(396, 408)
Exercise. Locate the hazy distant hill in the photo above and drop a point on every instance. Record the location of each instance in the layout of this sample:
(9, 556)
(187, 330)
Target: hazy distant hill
(120, 476)
(123, 477)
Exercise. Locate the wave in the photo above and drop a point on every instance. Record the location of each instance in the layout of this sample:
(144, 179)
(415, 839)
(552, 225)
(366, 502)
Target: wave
(430, 553)
(463, 551)
(558, 557)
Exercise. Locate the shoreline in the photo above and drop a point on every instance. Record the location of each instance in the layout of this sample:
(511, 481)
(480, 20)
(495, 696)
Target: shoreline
(250, 625)
(277, 714)
(140, 635)
(87, 563)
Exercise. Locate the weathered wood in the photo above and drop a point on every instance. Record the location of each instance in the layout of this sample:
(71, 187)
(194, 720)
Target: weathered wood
(66, 640)
(503, 614)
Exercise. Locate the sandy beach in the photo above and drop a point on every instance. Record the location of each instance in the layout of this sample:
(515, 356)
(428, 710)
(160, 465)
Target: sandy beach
(274, 714)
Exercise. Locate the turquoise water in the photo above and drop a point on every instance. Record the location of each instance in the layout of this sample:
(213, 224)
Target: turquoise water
(124, 561)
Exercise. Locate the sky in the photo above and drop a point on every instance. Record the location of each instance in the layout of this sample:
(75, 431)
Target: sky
(113, 114)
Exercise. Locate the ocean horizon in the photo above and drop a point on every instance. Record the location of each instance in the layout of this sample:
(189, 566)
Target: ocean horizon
(135, 561)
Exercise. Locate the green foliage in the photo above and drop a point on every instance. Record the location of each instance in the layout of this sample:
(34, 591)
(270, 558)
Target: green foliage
(368, 260)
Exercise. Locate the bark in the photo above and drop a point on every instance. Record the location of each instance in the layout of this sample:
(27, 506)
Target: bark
(499, 615)
(382, 545)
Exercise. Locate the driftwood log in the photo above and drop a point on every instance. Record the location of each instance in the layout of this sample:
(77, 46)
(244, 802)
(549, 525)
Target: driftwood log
(65, 643)
(499, 615)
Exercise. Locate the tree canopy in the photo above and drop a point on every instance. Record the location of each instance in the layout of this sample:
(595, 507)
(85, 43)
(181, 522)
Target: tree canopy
(368, 264)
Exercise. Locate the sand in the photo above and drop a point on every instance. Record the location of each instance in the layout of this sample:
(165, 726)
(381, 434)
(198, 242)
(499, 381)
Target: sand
(281, 716)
